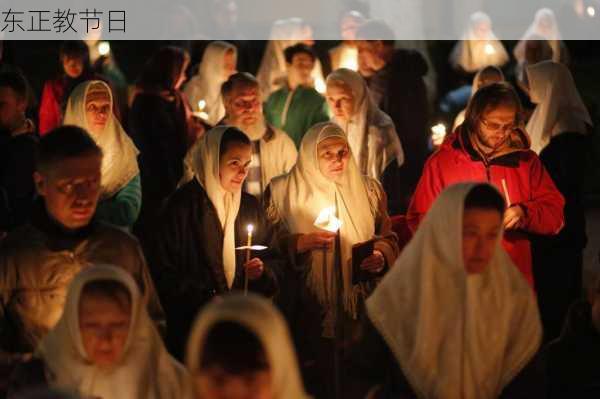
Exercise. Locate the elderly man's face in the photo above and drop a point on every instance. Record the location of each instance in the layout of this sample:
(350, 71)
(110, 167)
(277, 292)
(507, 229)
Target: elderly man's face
(243, 106)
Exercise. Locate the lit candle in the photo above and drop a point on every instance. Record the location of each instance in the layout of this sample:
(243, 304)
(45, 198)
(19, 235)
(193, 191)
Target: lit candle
(591, 11)
(489, 49)
(103, 48)
(327, 220)
(250, 229)
(438, 134)
(201, 113)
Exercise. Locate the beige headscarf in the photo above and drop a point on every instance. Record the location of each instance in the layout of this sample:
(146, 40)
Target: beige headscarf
(299, 197)
(261, 318)
(559, 109)
(119, 163)
(206, 84)
(145, 371)
(471, 52)
(204, 159)
(550, 32)
(371, 132)
(455, 335)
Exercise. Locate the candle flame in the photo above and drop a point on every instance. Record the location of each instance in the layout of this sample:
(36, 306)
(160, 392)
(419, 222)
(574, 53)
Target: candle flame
(328, 221)
(439, 133)
(103, 48)
(489, 49)
(250, 229)
(201, 105)
(591, 11)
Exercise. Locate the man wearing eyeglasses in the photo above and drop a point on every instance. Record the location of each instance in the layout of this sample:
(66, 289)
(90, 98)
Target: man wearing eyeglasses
(39, 259)
(492, 146)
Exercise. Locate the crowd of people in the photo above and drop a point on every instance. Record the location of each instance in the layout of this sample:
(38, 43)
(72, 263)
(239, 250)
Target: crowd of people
(217, 234)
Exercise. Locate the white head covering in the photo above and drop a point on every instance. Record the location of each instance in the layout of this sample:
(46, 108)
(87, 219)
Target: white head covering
(371, 133)
(559, 107)
(119, 163)
(145, 371)
(204, 159)
(550, 32)
(272, 73)
(474, 52)
(206, 84)
(455, 335)
(261, 318)
(299, 197)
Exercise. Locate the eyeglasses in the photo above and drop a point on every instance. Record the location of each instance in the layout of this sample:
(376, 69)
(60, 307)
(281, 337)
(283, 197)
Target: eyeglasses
(496, 127)
(72, 187)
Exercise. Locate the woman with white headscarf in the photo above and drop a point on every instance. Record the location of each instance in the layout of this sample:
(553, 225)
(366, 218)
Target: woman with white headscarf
(193, 250)
(479, 46)
(246, 339)
(544, 26)
(272, 72)
(371, 133)
(90, 107)
(104, 345)
(204, 89)
(332, 287)
(558, 128)
(453, 318)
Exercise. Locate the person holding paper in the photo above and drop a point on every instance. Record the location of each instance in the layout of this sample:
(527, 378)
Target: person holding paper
(193, 252)
(327, 177)
(492, 146)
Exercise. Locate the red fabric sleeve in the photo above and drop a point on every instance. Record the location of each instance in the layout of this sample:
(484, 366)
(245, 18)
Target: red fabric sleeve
(544, 210)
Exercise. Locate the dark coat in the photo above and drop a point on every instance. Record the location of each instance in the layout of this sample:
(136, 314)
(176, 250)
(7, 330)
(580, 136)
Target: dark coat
(159, 129)
(371, 363)
(17, 190)
(186, 257)
(558, 260)
(573, 370)
(399, 90)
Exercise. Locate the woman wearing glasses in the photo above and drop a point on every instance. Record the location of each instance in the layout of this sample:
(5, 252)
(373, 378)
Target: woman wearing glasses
(491, 146)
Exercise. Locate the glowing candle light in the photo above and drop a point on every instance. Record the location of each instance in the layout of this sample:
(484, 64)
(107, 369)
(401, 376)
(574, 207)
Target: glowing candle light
(328, 221)
(438, 134)
(250, 229)
(489, 49)
(201, 113)
(591, 11)
(103, 48)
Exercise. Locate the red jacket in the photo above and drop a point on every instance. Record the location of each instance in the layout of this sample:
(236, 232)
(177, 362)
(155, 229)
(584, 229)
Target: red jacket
(527, 182)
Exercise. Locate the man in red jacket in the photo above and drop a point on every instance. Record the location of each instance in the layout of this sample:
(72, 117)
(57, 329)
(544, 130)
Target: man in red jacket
(489, 146)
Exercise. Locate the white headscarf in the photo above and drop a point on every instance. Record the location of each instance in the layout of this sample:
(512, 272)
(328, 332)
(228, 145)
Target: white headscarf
(272, 73)
(559, 108)
(474, 52)
(299, 197)
(206, 84)
(261, 318)
(119, 162)
(204, 159)
(145, 371)
(552, 34)
(371, 133)
(455, 335)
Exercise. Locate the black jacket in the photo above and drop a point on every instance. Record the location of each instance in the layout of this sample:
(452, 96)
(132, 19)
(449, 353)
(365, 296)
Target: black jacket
(17, 190)
(186, 257)
(573, 370)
